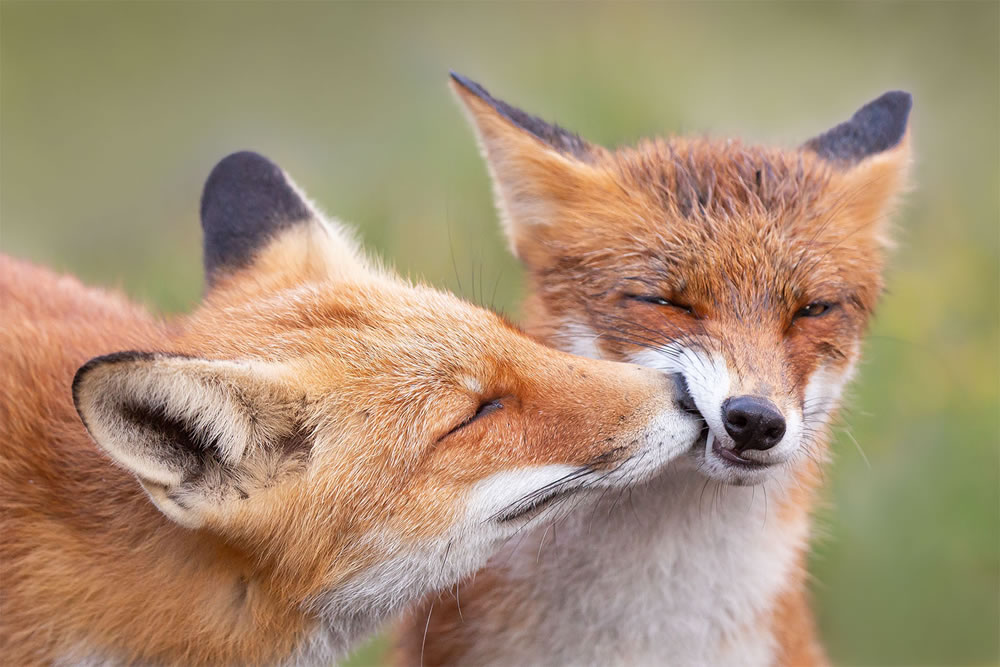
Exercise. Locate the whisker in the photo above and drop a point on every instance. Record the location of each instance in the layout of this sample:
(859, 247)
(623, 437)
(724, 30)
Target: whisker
(858, 446)
(427, 626)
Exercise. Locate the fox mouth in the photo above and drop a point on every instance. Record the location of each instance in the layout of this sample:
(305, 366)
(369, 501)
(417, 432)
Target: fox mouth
(701, 442)
(732, 458)
(707, 441)
(686, 403)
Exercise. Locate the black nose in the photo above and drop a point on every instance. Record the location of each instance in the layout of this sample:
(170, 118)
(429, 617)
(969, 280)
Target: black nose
(752, 422)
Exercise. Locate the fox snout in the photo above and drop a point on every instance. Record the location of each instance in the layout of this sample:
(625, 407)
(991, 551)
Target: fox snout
(753, 422)
(746, 431)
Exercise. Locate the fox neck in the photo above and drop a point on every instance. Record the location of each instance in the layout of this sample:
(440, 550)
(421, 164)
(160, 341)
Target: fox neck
(676, 572)
(359, 608)
(179, 596)
(187, 598)
(703, 566)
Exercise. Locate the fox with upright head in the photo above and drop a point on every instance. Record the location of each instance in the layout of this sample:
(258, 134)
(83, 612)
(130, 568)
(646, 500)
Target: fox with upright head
(748, 274)
(317, 445)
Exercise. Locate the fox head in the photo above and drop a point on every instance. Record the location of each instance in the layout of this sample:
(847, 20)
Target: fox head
(749, 273)
(361, 440)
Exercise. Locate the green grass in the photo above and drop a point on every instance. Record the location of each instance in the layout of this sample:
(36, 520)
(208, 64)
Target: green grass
(111, 116)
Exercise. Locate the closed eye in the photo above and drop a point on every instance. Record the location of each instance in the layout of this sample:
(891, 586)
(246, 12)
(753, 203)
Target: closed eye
(485, 409)
(661, 301)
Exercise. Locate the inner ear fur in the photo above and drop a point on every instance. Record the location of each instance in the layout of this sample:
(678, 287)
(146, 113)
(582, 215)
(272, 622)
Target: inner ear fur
(191, 430)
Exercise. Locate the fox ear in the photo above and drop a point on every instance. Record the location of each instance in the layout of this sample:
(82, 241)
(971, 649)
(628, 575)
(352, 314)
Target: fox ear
(535, 166)
(250, 205)
(193, 431)
(872, 153)
(876, 127)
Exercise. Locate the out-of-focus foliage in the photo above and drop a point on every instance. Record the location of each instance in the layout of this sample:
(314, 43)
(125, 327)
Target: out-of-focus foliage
(112, 114)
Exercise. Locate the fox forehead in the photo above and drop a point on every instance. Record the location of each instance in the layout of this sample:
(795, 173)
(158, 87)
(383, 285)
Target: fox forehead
(702, 179)
(349, 322)
(717, 221)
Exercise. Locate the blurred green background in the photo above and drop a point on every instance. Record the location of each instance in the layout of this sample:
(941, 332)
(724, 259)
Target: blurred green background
(112, 114)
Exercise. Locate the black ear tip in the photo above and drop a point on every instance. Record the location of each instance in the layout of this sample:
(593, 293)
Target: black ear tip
(898, 98)
(244, 160)
(234, 171)
(875, 127)
(469, 85)
(247, 199)
(895, 104)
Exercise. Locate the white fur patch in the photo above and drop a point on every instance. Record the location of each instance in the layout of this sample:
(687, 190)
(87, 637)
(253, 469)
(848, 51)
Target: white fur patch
(499, 491)
(823, 393)
(84, 657)
(681, 572)
(472, 384)
(707, 377)
(579, 339)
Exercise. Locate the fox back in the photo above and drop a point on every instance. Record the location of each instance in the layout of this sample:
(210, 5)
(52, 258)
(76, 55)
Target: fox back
(749, 274)
(318, 444)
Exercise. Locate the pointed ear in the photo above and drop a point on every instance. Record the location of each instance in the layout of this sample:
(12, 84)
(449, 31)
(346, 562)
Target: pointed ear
(872, 153)
(876, 127)
(250, 205)
(193, 431)
(536, 167)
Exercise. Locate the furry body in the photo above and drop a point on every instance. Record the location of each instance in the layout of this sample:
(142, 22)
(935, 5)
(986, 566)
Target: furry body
(745, 273)
(270, 477)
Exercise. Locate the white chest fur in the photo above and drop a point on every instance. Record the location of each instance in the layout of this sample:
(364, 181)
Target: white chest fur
(680, 573)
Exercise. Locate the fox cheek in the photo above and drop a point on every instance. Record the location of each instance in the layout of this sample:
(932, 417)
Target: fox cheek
(822, 392)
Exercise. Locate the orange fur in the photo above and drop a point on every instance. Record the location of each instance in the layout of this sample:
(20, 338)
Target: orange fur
(736, 240)
(374, 375)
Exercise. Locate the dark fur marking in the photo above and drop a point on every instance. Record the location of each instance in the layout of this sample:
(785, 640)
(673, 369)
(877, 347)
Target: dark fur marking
(114, 358)
(875, 127)
(611, 456)
(191, 445)
(296, 444)
(558, 138)
(246, 201)
(241, 593)
(176, 498)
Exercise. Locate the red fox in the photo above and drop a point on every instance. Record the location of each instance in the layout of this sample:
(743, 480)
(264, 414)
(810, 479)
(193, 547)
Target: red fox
(748, 274)
(317, 445)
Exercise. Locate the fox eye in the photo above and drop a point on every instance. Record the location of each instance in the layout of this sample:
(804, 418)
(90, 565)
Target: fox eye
(486, 408)
(814, 309)
(661, 301)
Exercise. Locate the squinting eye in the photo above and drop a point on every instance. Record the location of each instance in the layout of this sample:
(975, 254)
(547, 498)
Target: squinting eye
(660, 301)
(814, 309)
(486, 408)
